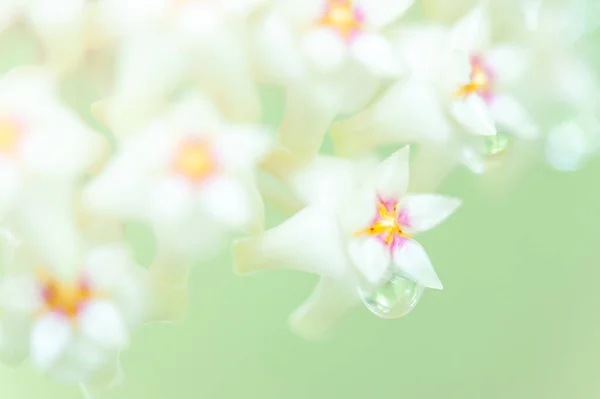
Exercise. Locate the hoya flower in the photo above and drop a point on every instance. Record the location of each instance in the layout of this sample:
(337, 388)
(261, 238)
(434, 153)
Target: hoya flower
(565, 89)
(189, 173)
(40, 139)
(70, 319)
(162, 43)
(330, 56)
(357, 232)
(459, 82)
(59, 24)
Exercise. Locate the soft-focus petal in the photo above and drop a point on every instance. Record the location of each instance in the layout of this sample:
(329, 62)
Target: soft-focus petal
(61, 27)
(411, 260)
(305, 121)
(371, 257)
(309, 241)
(325, 49)
(358, 211)
(390, 178)
(376, 54)
(101, 321)
(241, 147)
(471, 33)
(425, 211)
(49, 339)
(382, 12)
(409, 111)
(508, 61)
(474, 114)
(112, 270)
(20, 294)
(507, 112)
(233, 202)
(326, 180)
(276, 54)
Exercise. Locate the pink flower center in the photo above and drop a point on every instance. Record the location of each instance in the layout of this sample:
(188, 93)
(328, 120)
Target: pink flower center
(66, 298)
(388, 224)
(481, 80)
(344, 17)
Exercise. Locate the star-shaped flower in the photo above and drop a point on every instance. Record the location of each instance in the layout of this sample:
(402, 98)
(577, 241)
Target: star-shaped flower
(40, 138)
(330, 56)
(189, 173)
(459, 82)
(356, 231)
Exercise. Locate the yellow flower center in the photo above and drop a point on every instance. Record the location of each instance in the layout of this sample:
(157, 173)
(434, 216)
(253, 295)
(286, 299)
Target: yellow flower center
(9, 135)
(342, 16)
(480, 80)
(194, 160)
(386, 225)
(64, 297)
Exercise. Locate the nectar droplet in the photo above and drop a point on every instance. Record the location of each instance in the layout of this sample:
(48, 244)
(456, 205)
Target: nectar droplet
(394, 298)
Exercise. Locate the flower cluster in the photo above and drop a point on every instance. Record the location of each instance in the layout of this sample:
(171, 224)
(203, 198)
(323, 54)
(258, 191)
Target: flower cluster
(195, 118)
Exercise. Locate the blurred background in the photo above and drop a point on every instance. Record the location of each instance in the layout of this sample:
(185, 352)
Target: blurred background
(518, 318)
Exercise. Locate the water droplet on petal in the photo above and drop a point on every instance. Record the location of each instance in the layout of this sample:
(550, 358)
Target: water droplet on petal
(394, 298)
(497, 144)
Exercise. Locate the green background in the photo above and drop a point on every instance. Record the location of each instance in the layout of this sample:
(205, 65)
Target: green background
(518, 318)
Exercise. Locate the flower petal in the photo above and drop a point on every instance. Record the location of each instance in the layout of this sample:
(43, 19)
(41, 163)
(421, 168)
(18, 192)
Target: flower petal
(358, 211)
(508, 61)
(390, 178)
(379, 13)
(371, 257)
(512, 115)
(409, 111)
(376, 54)
(425, 211)
(471, 33)
(234, 202)
(102, 322)
(474, 114)
(329, 302)
(326, 180)
(49, 339)
(20, 294)
(241, 147)
(411, 260)
(309, 241)
(325, 49)
(276, 55)
(305, 121)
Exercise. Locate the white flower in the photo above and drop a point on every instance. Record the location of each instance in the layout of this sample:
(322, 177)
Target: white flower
(60, 25)
(189, 173)
(330, 56)
(456, 74)
(71, 320)
(40, 139)
(356, 232)
(165, 42)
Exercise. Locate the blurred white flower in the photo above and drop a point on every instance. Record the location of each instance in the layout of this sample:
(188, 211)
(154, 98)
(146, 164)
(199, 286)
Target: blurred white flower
(453, 73)
(40, 139)
(60, 25)
(162, 43)
(357, 233)
(71, 320)
(189, 173)
(330, 55)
